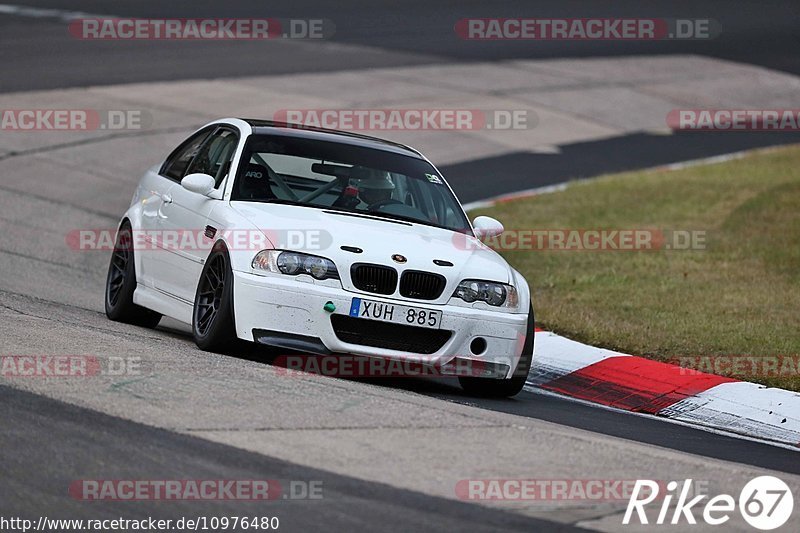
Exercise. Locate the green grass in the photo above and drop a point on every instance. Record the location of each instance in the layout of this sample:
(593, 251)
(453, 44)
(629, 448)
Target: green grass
(740, 296)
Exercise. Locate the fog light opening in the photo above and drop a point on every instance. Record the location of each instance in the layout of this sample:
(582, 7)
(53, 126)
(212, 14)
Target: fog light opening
(477, 346)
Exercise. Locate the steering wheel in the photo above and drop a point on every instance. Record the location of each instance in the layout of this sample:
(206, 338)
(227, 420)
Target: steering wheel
(382, 203)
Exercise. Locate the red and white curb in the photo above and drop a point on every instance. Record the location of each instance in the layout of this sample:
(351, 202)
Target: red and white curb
(621, 381)
(640, 385)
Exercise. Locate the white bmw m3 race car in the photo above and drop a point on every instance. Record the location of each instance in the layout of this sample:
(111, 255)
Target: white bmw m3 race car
(324, 242)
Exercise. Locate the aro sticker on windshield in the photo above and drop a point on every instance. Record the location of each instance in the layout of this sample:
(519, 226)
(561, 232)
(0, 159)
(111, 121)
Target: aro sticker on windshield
(433, 178)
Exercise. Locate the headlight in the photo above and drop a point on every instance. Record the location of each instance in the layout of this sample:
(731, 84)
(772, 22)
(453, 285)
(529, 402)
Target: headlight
(294, 263)
(494, 294)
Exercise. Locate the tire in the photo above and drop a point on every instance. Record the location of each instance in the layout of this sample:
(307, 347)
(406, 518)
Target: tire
(121, 283)
(213, 325)
(503, 388)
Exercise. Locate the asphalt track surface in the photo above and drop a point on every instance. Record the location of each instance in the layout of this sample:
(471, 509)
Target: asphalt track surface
(62, 442)
(39, 53)
(94, 439)
(384, 34)
(493, 176)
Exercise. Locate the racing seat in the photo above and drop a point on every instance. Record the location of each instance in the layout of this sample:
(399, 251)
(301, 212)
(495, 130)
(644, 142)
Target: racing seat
(255, 183)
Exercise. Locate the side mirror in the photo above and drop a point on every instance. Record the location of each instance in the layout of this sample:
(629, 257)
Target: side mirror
(199, 183)
(487, 227)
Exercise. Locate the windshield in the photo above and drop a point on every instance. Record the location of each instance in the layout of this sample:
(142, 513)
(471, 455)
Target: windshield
(344, 177)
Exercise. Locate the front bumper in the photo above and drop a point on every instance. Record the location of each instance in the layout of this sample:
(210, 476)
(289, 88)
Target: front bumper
(288, 312)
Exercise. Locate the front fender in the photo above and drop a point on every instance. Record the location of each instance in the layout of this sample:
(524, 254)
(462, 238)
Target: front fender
(519, 281)
(232, 228)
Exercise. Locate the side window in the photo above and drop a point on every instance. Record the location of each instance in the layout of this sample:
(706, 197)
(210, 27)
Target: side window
(214, 158)
(178, 161)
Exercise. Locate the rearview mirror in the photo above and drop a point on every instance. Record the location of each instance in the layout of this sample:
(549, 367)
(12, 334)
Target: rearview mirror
(199, 183)
(340, 171)
(487, 227)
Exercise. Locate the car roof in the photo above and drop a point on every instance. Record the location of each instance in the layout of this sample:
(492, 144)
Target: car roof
(270, 127)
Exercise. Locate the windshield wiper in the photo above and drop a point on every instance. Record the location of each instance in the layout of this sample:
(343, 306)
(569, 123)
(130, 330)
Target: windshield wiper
(359, 214)
(404, 218)
(350, 212)
(275, 201)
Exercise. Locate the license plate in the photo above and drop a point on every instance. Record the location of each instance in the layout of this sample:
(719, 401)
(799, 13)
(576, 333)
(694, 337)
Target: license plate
(396, 314)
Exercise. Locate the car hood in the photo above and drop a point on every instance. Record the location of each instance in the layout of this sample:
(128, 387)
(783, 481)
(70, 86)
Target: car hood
(324, 232)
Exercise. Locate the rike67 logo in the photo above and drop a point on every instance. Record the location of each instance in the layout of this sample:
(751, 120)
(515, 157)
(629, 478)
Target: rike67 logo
(765, 503)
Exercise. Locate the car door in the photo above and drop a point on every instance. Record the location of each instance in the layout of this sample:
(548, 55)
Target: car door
(154, 194)
(188, 217)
